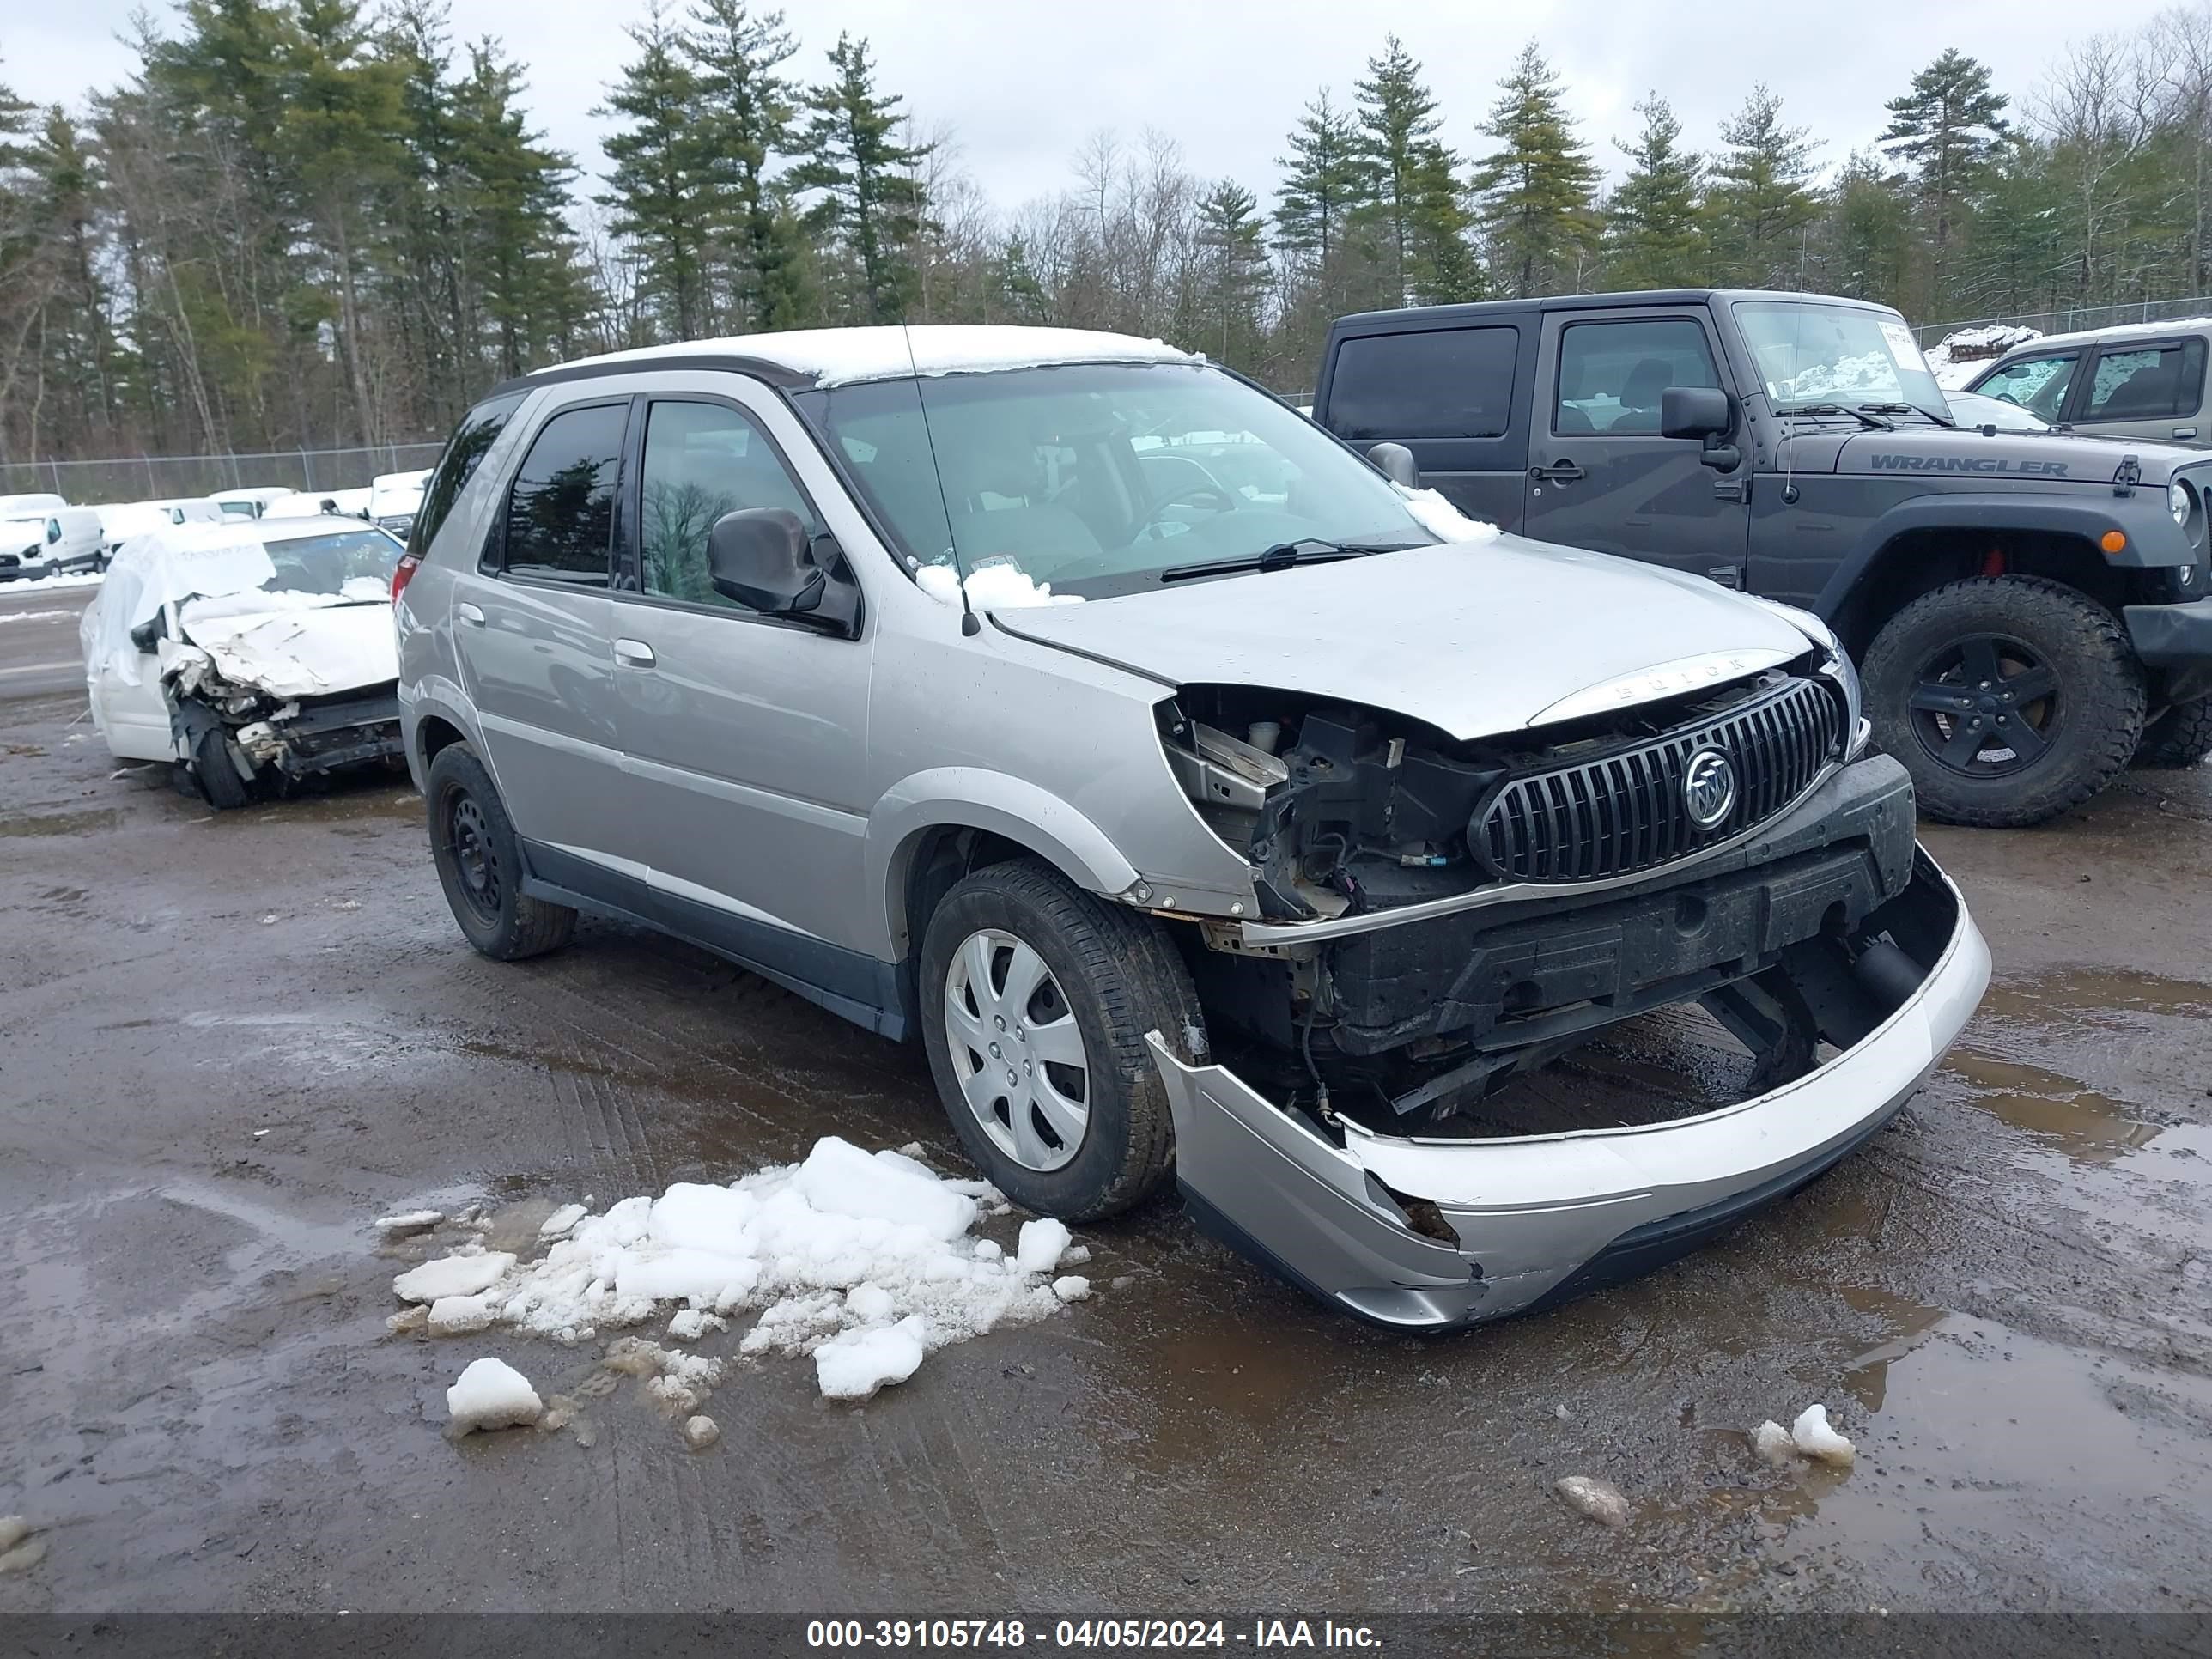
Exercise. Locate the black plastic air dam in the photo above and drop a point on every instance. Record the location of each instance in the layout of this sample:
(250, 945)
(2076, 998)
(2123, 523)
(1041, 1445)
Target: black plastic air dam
(1537, 1215)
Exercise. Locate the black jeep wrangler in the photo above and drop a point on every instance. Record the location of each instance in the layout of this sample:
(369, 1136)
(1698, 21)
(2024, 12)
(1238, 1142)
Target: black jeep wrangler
(2030, 610)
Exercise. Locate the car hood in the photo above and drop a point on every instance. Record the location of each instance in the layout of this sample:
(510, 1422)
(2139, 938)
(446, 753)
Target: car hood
(299, 653)
(2074, 458)
(1474, 638)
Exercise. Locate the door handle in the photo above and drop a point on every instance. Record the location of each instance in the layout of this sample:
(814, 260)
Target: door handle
(2185, 432)
(634, 654)
(1558, 472)
(473, 615)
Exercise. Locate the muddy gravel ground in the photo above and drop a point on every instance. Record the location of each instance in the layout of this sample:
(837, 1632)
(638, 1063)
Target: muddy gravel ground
(230, 1042)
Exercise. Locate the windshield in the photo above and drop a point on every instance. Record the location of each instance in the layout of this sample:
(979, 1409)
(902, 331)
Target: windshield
(1096, 478)
(1817, 353)
(326, 564)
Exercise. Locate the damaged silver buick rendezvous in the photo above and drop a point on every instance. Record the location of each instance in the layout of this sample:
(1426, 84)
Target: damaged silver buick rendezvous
(1461, 922)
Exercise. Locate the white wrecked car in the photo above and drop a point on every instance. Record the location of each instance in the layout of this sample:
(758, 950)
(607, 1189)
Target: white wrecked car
(250, 651)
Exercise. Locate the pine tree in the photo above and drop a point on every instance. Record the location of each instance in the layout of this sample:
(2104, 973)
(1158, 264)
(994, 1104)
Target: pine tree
(1868, 241)
(1947, 127)
(1327, 177)
(1397, 116)
(1652, 237)
(872, 197)
(1759, 203)
(1233, 278)
(743, 120)
(1015, 287)
(658, 186)
(1535, 188)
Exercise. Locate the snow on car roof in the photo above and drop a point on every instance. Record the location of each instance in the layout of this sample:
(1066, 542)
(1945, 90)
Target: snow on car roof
(2129, 331)
(839, 357)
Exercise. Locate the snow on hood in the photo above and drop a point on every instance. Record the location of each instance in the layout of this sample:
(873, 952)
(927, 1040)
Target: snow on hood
(298, 650)
(990, 587)
(1475, 641)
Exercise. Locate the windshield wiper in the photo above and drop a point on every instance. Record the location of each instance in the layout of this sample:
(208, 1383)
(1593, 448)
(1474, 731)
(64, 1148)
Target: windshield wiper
(1904, 409)
(1307, 550)
(1860, 416)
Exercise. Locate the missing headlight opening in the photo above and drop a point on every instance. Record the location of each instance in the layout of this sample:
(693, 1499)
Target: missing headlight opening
(1570, 904)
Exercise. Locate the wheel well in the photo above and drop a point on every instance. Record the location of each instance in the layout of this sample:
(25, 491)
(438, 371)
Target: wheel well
(1920, 560)
(435, 734)
(941, 857)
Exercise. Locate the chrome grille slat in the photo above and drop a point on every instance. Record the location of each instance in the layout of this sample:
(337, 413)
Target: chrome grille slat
(1624, 812)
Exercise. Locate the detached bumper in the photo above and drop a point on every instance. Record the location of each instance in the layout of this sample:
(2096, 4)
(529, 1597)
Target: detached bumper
(1540, 1217)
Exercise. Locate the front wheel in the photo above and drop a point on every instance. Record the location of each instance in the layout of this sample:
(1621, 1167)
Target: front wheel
(479, 862)
(216, 774)
(2010, 699)
(1035, 997)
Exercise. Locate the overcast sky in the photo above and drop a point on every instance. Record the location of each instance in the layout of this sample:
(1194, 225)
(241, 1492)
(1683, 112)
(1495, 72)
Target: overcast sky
(1022, 85)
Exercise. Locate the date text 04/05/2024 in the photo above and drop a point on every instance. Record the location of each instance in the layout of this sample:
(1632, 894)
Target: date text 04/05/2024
(1086, 1633)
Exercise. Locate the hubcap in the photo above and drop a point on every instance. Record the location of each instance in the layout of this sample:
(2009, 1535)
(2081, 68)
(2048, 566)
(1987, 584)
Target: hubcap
(469, 839)
(1016, 1050)
(1986, 706)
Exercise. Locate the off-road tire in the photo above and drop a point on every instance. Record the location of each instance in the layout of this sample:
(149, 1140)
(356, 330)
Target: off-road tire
(2100, 701)
(501, 922)
(2180, 737)
(214, 775)
(1122, 978)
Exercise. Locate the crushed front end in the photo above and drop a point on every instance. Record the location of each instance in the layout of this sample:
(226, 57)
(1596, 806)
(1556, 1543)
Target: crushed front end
(1436, 1094)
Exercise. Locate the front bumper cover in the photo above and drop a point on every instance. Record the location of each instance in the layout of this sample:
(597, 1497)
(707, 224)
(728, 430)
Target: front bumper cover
(1540, 1218)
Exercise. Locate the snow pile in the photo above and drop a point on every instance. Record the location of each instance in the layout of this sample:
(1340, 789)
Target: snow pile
(1808, 1437)
(491, 1394)
(991, 588)
(864, 1261)
(36, 615)
(409, 1221)
(1965, 352)
(1440, 518)
(1872, 371)
(1773, 1444)
(1600, 1500)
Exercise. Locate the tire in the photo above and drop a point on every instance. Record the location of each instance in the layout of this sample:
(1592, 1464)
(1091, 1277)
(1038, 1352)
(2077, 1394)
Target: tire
(2030, 659)
(2182, 736)
(1114, 973)
(217, 778)
(479, 861)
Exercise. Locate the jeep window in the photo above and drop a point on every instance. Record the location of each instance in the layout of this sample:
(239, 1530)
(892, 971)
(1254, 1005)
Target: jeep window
(560, 507)
(2147, 384)
(1810, 354)
(2036, 384)
(1097, 477)
(1612, 374)
(702, 460)
(1435, 383)
(464, 450)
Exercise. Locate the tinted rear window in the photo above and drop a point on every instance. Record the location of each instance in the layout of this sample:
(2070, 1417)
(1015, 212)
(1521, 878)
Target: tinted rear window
(1438, 383)
(560, 508)
(464, 450)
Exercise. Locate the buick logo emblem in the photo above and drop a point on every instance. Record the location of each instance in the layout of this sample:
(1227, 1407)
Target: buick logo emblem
(1708, 788)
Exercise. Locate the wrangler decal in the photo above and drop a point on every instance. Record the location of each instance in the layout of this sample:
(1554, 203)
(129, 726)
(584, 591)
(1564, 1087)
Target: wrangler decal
(1967, 464)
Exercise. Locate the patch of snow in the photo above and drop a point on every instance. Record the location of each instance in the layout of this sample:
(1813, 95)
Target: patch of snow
(491, 1394)
(853, 1364)
(13, 1529)
(1043, 1242)
(840, 1179)
(34, 615)
(700, 1432)
(1600, 1500)
(1773, 1444)
(561, 1221)
(453, 1275)
(1440, 518)
(409, 1221)
(1813, 1438)
(1957, 377)
(23, 1557)
(457, 1316)
(1070, 1287)
(994, 587)
(417, 1318)
(71, 579)
(841, 357)
(692, 1323)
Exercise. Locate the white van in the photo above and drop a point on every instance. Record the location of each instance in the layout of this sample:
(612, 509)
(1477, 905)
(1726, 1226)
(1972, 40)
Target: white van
(34, 544)
(394, 499)
(121, 520)
(25, 507)
(251, 502)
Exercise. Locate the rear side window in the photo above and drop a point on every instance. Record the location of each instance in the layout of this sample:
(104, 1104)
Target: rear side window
(560, 507)
(464, 450)
(1612, 375)
(2147, 383)
(1438, 383)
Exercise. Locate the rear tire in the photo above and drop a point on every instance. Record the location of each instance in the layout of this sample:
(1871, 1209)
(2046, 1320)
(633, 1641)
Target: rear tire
(216, 774)
(1109, 969)
(2010, 699)
(2182, 736)
(479, 860)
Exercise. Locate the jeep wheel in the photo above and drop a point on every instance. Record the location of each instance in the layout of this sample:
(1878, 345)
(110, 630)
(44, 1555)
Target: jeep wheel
(2009, 698)
(1035, 997)
(480, 864)
(2182, 736)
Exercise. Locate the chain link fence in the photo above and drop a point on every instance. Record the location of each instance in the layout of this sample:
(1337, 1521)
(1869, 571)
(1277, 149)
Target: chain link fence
(162, 477)
(2079, 318)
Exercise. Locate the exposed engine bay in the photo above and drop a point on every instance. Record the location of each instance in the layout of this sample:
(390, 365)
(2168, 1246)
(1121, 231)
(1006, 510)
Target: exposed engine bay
(1613, 899)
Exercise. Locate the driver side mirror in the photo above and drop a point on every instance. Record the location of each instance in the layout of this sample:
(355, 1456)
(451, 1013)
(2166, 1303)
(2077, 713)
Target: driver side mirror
(1395, 462)
(764, 558)
(1703, 412)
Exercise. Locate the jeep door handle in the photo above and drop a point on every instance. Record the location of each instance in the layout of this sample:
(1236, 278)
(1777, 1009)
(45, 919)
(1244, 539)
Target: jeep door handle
(634, 654)
(473, 615)
(1558, 472)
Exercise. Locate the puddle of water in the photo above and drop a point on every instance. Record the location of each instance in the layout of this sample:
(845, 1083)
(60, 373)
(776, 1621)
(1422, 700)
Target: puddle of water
(2087, 994)
(64, 824)
(2090, 1127)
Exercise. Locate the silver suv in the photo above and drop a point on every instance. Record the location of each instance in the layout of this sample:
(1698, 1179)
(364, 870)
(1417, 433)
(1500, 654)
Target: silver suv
(1202, 800)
